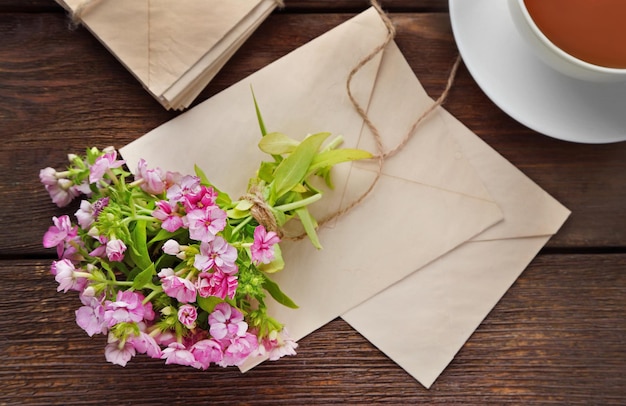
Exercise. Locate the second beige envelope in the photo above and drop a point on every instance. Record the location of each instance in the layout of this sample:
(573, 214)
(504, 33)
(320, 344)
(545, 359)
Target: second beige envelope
(422, 321)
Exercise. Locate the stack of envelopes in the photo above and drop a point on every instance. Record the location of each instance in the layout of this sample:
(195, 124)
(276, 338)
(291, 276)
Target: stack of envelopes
(419, 264)
(173, 51)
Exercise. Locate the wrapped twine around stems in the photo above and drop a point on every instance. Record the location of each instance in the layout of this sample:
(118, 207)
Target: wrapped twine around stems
(261, 210)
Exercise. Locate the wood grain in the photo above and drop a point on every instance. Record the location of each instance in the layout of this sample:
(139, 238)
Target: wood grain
(556, 337)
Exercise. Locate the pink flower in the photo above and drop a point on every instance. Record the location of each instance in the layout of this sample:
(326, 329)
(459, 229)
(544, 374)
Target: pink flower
(205, 223)
(171, 247)
(85, 215)
(127, 308)
(102, 164)
(206, 352)
(173, 178)
(202, 197)
(187, 185)
(187, 315)
(226, 322)
(146, 344)
(60, 234)
(115, 250)
(48, 176)
(62, 193)
(216, 254)
(88, 213)
(165, 338)
(176, 353)
(90, 317)
(168, 213)
(65, 274)
(61, 190)
(179, 288)
(239, 349)
(277, 345)
(153, 180)
(100, 250)
(116, 353)
(83, 188)
(217, 284)
(262, 248)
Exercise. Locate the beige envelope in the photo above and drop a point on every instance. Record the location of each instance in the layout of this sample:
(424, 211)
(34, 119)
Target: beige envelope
(428, 201)
(422, 321)
(173, 48)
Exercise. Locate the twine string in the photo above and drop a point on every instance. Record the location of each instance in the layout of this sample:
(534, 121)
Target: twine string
(381, 154)
(268, 220)
(261, 211)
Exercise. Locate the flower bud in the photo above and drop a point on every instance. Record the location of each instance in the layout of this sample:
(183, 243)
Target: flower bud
(89, 291)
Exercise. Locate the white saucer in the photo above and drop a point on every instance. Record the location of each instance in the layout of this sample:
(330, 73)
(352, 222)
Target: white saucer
(525, 88)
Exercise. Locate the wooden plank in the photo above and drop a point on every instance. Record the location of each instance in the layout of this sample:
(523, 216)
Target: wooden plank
(557, 336)
(63, 91)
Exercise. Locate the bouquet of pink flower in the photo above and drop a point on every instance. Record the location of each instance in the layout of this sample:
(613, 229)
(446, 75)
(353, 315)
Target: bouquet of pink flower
(170, 266)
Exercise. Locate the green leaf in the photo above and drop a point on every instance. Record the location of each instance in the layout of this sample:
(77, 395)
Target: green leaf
(277, 144)
(266, 171)
(330, 158)
(309, 224)
(274, 290)
(258, 114)
(200, 173)
(244, 205)
(208, 303)
(138, 247)
(222, 198)
(293, 169)
(277, 264)
(280, 217)
(144, 277)
(165, 235)
(237, 214)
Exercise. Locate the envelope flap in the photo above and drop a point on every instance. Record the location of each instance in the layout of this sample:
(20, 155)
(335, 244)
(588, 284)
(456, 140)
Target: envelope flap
(181, 34)
(438, 160)
(125, 31)
(515, 192)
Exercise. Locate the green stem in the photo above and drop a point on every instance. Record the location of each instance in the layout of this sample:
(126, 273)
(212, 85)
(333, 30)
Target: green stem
(127, 220)
(334, 143)
(155, 291)
(112, 176)
(241, 225)
(120, 283)
(299, 203)
(83, 275)
(136, 183)
(142, 210)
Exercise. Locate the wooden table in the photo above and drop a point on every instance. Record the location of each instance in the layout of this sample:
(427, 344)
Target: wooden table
(557, 336)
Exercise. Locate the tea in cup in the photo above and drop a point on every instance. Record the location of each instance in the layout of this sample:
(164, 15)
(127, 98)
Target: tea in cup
(584, 39)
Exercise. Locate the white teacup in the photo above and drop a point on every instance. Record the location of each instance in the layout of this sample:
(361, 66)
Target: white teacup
(554, 56)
